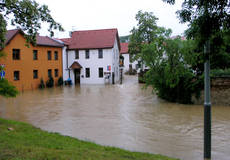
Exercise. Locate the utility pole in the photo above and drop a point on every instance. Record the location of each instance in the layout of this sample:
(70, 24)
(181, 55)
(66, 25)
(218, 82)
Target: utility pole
(207, 103)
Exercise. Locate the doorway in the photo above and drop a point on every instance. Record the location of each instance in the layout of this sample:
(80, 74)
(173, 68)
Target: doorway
(77, 76)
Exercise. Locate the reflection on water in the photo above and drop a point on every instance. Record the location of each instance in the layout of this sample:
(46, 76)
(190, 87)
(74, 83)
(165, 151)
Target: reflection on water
(124, 116)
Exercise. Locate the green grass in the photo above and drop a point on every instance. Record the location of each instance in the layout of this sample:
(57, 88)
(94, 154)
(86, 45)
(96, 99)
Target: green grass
(26, 142)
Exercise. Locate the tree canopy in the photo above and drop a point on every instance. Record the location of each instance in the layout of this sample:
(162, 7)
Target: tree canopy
(208, 20)
(170, 62)
(170, 71)
(26, 15)
(145, 32)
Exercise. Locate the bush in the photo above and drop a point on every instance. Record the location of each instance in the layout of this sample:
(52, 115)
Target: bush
(50, 82)
(133, 72)
(220, 73)
(42, 84)
(181, 92)
(6, 89)
(60, 81)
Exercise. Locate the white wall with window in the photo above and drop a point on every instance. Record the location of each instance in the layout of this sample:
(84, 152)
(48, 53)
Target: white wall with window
(127, 62)
(99, 63)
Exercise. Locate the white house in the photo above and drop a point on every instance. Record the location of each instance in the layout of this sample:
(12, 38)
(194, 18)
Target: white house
(92, 57)
(127, 63)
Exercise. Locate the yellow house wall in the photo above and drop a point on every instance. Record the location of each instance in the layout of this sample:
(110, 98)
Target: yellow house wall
(26, 64)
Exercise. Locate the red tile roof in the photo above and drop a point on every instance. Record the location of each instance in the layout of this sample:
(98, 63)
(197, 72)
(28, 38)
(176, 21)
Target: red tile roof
(124, 48)
(10, 35)
(66, 41)
(181, 37)
(47, 41)
(41, 40)
(92, 39)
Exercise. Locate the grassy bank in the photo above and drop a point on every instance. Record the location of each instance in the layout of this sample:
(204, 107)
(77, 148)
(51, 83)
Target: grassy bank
(21, 141)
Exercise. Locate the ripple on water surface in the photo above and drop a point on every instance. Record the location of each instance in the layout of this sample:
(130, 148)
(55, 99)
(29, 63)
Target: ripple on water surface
(124, 116)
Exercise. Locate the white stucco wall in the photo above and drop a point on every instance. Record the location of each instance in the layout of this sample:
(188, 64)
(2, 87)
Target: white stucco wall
(110, 58)
(115, 60)
(127, 62)
(64, 64)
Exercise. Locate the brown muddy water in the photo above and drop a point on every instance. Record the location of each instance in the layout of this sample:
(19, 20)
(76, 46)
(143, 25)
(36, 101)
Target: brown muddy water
(123, 116)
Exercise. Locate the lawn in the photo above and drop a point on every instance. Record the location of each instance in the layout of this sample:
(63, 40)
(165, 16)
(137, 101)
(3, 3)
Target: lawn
(21, 141)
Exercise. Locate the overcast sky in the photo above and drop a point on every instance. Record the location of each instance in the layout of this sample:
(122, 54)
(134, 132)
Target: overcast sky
(102, 14)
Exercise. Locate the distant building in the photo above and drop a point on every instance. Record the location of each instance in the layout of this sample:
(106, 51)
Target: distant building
(178, 36)
(127, 63)
(24, 67)
(92, 57)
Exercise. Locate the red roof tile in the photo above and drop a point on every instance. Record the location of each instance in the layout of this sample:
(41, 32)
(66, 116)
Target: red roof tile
(124, 48)
(10, 35)
(66, 41)
(41, 40)
(181, 37)
(92, 39)
(47, 41)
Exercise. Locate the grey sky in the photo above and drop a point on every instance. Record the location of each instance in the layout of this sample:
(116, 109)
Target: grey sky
(101, 14)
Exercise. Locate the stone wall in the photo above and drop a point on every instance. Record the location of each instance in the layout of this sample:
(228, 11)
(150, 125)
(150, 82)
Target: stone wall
(220, 92)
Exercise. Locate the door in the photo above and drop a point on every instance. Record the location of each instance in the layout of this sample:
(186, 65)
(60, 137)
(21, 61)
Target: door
(77, 73)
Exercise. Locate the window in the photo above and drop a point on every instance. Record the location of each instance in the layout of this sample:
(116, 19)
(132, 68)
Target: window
(49, 55)
(16, 75)
(56, 72)
(49, 73)
(16, 54)
(100, 72)
(76, 54)
(35, 74)
(87, 54)
(56, 55)
(35, 54)
(100, 53)
(87, 72)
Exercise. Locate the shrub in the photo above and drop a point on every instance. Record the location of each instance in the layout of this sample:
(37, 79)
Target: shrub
(50, 82)
(220, 73)
(60, 81)
(6, 89)
(42, 84)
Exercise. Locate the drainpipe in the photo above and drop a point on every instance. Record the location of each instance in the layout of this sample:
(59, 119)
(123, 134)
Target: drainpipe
(67, 59)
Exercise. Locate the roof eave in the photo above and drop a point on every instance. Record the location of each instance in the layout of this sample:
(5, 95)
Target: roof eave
(49, 45)
(90, 48)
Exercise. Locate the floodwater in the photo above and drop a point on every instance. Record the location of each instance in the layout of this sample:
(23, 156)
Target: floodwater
(123, 116)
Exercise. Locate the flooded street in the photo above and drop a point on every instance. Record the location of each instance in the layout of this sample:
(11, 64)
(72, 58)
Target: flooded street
(123, 116)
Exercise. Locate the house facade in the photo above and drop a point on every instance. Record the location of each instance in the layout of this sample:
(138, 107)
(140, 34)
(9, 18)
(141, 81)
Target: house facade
(128, 65)
(25, 66)
(92, 57)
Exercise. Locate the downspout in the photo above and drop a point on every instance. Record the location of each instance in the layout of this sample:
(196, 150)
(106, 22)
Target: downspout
(67, 59)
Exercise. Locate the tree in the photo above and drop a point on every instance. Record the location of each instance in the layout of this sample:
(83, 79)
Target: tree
(124, 39)
(170, 72)
(208, 20)
(146, 32)
(170, 61)
(27, 15)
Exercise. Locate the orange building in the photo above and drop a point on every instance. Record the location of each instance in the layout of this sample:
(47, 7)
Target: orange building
(25, 66)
